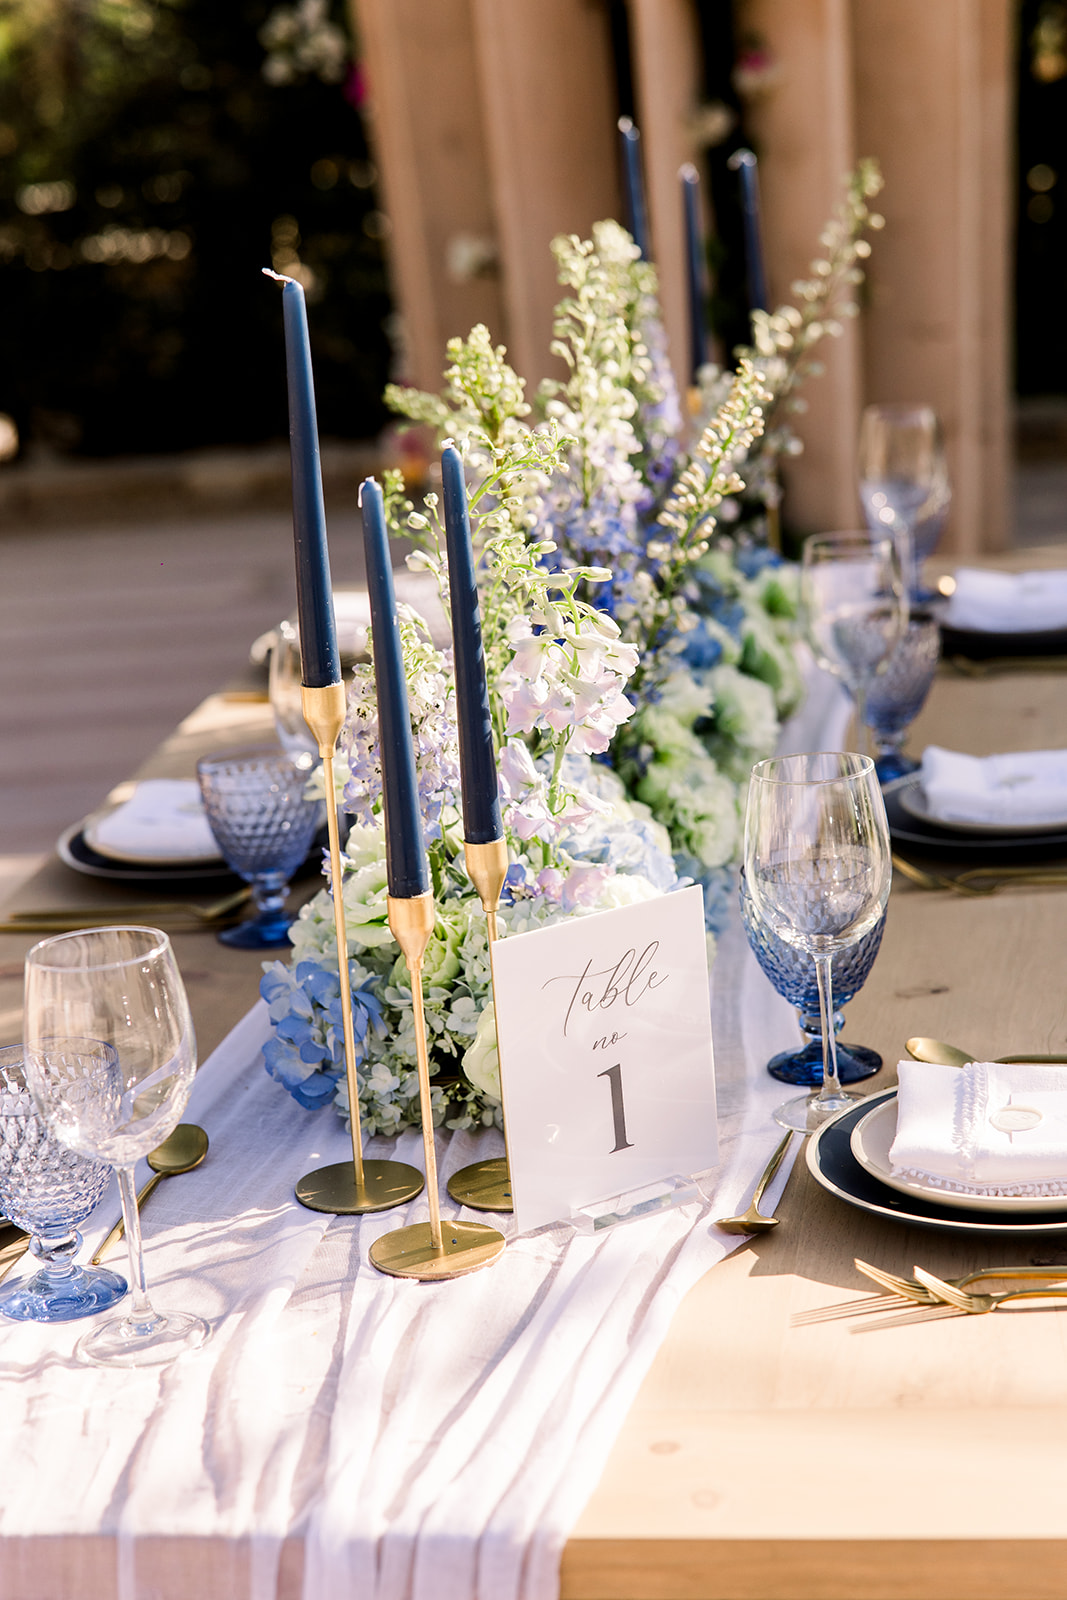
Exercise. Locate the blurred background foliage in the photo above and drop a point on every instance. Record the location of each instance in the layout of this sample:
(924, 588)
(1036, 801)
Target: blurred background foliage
(154, 156)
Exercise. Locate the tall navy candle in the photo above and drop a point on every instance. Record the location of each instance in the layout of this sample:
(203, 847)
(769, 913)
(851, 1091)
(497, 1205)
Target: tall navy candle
(405, 850)
(319, 662)
(694, 273)
(634, 185)
(744, 162)
(477, 757)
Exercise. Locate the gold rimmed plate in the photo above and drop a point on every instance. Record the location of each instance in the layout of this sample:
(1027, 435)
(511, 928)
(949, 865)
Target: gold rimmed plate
(870, 1141)
(74, 851)
(834, 1167)
(913, 799)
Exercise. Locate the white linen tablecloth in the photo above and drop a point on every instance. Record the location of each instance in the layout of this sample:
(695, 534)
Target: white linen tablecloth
(424, 1442)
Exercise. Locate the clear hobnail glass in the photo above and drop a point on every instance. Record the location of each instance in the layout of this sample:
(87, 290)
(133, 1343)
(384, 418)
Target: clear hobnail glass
(263, 822)
(897, 695)
(47, 1190)
(792, 973)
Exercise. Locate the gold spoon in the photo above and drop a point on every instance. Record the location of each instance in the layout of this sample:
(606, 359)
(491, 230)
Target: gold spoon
(181, 1151)
(753, 1220)
(949, 1055)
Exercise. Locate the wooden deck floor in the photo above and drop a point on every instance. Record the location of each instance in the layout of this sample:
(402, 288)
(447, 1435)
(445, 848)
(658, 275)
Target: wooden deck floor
(109, 636)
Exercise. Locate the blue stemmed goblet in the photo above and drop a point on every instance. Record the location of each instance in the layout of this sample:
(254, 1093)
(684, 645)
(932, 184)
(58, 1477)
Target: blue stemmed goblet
(792, 972)
(263, 822)
(47, 1189)
(898, 694)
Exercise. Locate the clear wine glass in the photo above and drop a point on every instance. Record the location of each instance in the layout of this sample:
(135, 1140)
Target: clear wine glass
(294, 735)
(110, 1059)
(901, 469)
(853, 605)
(818, 870)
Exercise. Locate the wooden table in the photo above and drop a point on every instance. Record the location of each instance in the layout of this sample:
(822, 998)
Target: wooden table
(788, 1443)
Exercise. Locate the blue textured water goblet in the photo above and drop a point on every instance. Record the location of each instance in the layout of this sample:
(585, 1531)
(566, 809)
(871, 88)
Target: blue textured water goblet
(263, 822)
(792, 972)
(47, 1189)
(896, 697)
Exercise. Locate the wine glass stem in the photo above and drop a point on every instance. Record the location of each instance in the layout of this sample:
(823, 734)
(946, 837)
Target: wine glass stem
(831, 1085)
(862, 741)
(141, 1313)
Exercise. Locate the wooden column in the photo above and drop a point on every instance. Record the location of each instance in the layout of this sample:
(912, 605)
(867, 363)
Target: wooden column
(427, 133)
(666, 59)
(933, 103)
(803, 128)
(547, 88)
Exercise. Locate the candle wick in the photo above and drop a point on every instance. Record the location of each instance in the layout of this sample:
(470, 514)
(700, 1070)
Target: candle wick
(279, 277)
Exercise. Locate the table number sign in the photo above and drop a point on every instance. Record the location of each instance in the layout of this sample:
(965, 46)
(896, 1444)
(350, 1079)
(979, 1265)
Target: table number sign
(606, 1065)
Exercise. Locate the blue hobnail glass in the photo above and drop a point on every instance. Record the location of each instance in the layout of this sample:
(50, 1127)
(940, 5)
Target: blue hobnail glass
(257, 805)
(897, 695)
(47, 1189)
(792, 972)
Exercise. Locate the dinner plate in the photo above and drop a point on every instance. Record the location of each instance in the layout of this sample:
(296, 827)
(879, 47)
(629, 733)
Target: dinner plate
(75, 851)
(973, 848)
(870, 1142)
(982, 646)
(835, 1168)
(914, 801)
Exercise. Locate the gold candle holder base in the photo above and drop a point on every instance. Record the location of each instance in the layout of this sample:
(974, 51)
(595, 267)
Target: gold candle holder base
(411, 1252)
(483, 1186)
(385, 1184)
(434, 1250)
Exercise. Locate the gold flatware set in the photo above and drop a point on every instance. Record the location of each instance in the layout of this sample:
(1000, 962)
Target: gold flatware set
(70, 917)
(924, 1289)
(978, 881)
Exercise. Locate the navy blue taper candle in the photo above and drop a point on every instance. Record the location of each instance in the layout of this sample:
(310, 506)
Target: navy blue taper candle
(694, 273)
(634, 185)
(745, 164)
(477, 757)
(319, 662)
(405, 849)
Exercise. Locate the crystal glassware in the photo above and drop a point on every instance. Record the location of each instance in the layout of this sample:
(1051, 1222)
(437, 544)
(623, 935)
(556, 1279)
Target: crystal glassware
(110, 1059)
(897, 695)
(263, 821)
(47, 1189)
(294, 735)
(818, 869)
(792, 972)
(853, 606)
(901, 467)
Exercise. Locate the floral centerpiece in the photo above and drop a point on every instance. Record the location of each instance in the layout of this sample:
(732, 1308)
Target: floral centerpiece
(639, 660)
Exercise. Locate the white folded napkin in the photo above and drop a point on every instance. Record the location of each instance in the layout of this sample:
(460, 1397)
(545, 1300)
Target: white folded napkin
(162, 821)
(984, 1128)
(1008, 602)
(1029, 787)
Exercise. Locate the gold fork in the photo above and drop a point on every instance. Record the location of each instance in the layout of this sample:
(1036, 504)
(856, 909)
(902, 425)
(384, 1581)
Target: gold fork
(913, 1289)
(971, 882)
(948, 1294)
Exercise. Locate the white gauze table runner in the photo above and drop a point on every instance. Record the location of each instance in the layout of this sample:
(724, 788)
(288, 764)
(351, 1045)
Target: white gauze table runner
(426, 1442)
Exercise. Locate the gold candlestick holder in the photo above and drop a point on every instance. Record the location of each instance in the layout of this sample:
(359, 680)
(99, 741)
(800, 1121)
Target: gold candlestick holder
(346, 1188)
(430, 1250)
(486, 1185)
